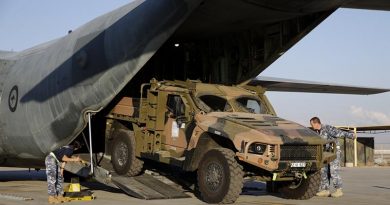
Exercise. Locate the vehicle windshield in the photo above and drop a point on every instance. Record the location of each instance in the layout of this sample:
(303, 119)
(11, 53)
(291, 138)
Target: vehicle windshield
(216, 103)
(248, 104)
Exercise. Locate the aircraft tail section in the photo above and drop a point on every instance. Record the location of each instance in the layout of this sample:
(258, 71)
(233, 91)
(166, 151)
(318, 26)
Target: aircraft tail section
(51, 87)
(56, 84)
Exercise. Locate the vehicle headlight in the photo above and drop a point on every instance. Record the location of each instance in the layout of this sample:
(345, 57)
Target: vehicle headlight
(257, 148)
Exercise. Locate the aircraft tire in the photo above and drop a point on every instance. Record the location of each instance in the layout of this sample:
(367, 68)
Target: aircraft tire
(123, 158)
(220, 177)
(306, 188)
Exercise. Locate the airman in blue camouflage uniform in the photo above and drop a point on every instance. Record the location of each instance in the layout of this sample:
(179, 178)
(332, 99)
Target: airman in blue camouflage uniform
(330, 133)
(55, 163)
(54, 177)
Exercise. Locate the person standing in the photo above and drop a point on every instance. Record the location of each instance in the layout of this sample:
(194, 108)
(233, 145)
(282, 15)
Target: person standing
(330, 133)
(55, 163)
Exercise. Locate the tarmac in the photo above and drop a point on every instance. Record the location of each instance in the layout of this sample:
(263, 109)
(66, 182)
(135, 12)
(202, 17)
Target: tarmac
(363, 185)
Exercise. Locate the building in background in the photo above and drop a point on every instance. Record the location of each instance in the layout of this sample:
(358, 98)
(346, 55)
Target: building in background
(362, 151)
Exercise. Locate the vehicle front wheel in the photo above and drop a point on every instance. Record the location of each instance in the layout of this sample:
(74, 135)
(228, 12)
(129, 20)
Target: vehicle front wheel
(123, 157)
(220, 177)
(272, 187)
(301, 188)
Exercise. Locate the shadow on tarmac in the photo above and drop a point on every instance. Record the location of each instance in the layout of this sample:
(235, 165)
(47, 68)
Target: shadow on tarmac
(96, 186)
(251, 188)
(22, 175)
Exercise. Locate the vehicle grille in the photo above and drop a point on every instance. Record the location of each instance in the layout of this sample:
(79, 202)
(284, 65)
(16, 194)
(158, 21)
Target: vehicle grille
(298, 152)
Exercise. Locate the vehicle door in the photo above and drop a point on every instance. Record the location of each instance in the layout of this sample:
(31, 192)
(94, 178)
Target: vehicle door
(176, 122)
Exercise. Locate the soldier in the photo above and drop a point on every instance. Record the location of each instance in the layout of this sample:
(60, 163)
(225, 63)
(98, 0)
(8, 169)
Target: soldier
(330, 133)
(55, 163)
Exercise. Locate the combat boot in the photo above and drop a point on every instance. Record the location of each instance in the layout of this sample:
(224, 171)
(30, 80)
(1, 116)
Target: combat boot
(337, 193)
(54, 200)
(63, 199)
(323, 193)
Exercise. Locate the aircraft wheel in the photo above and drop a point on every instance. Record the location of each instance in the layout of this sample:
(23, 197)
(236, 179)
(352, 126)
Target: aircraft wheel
(123, 157)
(220, 177)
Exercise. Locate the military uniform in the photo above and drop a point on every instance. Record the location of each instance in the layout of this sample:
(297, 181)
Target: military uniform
(54, 177)
(331, 133)
(53, 163)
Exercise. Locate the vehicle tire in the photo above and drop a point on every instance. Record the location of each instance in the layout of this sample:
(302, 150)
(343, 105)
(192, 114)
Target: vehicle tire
(220, 177)
(123, 157)
(272, 187)
(302, 189)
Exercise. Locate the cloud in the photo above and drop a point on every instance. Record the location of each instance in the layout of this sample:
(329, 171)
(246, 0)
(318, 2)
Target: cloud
(370, 116)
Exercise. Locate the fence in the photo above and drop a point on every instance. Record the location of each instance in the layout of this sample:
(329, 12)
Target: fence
(382, 154)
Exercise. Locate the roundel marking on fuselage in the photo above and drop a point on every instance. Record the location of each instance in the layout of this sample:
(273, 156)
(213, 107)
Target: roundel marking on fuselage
(13, 98)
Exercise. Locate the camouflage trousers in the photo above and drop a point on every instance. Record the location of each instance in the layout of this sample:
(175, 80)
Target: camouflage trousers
(54, 178)
(330, 176)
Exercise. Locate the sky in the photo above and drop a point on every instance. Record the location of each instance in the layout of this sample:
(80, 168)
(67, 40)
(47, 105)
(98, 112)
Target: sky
(350, 47)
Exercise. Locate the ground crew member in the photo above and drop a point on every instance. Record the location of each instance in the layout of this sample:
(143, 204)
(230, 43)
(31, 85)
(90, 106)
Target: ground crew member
(329, 132)
(55, 163)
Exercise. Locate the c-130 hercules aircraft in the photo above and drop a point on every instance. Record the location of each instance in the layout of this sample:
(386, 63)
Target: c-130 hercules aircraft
(47, 91)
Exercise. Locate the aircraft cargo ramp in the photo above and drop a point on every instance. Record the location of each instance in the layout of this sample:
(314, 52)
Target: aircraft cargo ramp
(143, 187)
(147, 187)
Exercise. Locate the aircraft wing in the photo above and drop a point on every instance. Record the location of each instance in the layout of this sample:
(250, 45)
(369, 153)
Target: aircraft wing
(369, 4)
(366, 128)
(290, 85)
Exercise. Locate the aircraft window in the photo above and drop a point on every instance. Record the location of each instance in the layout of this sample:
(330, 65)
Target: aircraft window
(216, 103)
(175, 105)
(250, 105)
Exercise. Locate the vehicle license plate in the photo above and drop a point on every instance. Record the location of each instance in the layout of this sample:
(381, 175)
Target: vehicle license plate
(298, 164)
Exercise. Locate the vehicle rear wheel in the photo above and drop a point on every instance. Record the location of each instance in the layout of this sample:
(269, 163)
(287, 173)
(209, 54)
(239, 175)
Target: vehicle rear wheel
(302, 188)
(123, 157)
(220, 177)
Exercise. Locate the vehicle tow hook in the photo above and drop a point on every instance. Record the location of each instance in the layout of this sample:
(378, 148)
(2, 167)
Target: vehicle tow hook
(300, 175)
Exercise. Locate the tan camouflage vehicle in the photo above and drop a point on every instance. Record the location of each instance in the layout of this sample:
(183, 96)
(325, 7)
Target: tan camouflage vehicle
(224, 133)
